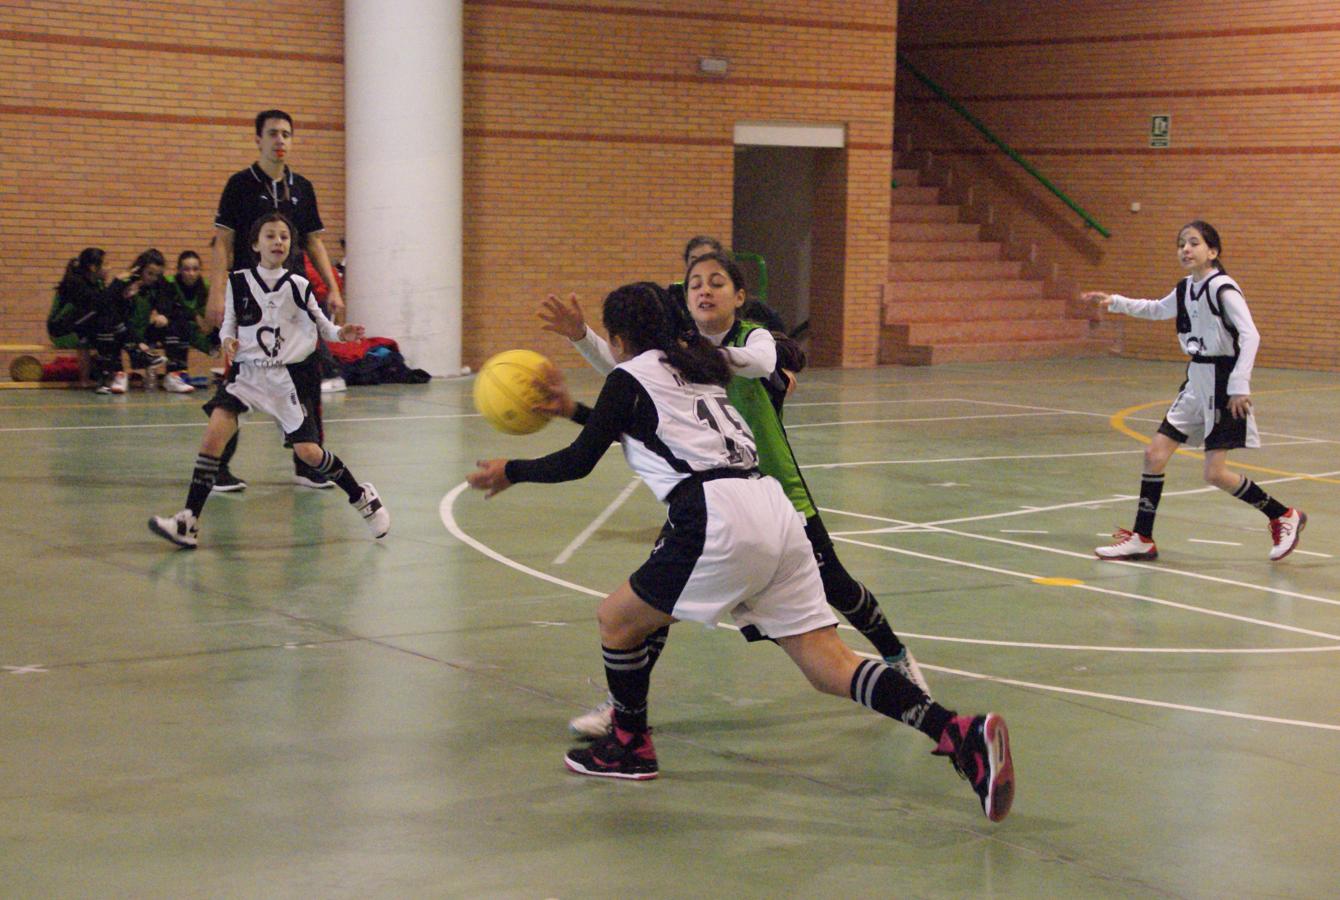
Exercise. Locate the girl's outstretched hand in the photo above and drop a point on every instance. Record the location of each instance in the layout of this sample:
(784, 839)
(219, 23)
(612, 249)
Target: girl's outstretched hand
(352, 332)
(557, 401)
(490, 476)
(1103, 300)
(229, 348)
(1239, 405)
(563, 317)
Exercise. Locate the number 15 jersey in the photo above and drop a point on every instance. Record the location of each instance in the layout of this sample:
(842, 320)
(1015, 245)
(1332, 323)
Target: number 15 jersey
(670, 429)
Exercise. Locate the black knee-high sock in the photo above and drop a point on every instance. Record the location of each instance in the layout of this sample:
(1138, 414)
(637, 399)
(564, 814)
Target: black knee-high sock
(202, 479)
(1250, 492)
(878, 687)
(628, 673)
(656, 645)
(866, 617)
(848, 596)
(229, 449)
(333, 468)
(1151, 489)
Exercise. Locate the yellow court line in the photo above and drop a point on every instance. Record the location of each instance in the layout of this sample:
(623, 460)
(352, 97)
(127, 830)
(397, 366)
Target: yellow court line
(1118, 421)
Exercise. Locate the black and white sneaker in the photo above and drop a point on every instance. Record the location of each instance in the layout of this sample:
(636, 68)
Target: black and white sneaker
(370, 507)
(226, 483)
(180, 529)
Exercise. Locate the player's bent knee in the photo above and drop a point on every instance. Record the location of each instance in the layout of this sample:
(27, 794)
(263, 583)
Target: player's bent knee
(308, 452)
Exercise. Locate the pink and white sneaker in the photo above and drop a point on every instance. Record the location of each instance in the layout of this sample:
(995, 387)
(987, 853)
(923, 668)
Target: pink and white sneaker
(1285, 532)
(979, 748)
(1128, 545)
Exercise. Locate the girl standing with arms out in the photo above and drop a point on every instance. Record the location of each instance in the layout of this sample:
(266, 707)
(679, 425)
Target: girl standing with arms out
(270, 326)
(733, 544)
(1214, 405)
(714, 292)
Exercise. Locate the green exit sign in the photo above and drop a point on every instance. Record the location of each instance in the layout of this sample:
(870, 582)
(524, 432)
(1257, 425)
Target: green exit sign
(1160, 131)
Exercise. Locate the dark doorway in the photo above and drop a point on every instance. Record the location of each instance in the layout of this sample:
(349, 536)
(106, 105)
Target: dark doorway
(783, 214)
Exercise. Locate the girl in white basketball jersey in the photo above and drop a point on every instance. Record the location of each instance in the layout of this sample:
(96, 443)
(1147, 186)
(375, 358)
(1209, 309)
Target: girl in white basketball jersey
(1214, 405)
(271, 321)
(733, 544)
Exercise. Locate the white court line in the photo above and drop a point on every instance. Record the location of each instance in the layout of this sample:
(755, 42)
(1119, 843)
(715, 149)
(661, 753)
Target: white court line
(264, 421)
(1145, 567)
(1099, 590)
(1102, 648)
(1293, 438)
(1115, 498)
(1021, 531)
(1139, 701)
(597, 522)
(449, 520)
(922, 419)
(1314, 553)
(793, 404)
(959, 459)
(1222, 543)
(955, 459)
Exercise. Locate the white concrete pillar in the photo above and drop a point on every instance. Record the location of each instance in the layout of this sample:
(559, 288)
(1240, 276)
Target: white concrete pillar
(403, 72)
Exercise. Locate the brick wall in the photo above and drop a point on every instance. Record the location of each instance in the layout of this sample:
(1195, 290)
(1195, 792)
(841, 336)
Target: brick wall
(121, 122)
(1072, 85)
(593, 146)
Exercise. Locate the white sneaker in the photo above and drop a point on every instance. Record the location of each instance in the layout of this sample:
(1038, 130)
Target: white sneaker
(905, 664)
(333, 385)
(372, 510)
(1285, 531)
(180, 529)
(175, 384)
(595, 723)
(119, 383)
(1128, 545)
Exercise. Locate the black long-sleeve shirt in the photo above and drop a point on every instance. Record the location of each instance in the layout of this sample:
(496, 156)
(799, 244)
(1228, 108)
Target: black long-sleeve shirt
(623, 407)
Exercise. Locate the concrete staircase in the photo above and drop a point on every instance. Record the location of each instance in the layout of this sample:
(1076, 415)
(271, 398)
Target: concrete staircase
(952, 296)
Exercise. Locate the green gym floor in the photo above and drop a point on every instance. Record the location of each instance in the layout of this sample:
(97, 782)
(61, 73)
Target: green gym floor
(295, 710)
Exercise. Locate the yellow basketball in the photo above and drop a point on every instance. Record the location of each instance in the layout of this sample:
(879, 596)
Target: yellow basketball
(507, 388)
(25, 368)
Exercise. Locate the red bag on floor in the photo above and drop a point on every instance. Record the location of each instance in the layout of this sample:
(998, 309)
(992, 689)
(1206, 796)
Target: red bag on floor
(346, 352)
(62, 368)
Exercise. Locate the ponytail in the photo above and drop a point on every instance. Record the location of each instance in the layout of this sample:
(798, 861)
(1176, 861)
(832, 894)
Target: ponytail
(699, 360)
(642, 315)
(88, 259)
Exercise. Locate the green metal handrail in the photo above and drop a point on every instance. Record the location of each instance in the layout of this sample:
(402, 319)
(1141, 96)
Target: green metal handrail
(761, 289)
(1008, 150)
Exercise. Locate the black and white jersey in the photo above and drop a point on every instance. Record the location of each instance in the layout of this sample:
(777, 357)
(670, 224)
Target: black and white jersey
(670, 429)
(274, 315)
(1213, 321)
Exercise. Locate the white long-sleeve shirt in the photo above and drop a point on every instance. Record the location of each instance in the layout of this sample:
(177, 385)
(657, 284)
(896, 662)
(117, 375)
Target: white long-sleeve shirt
(756, 359)
(274, 315)
(1212, 305)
